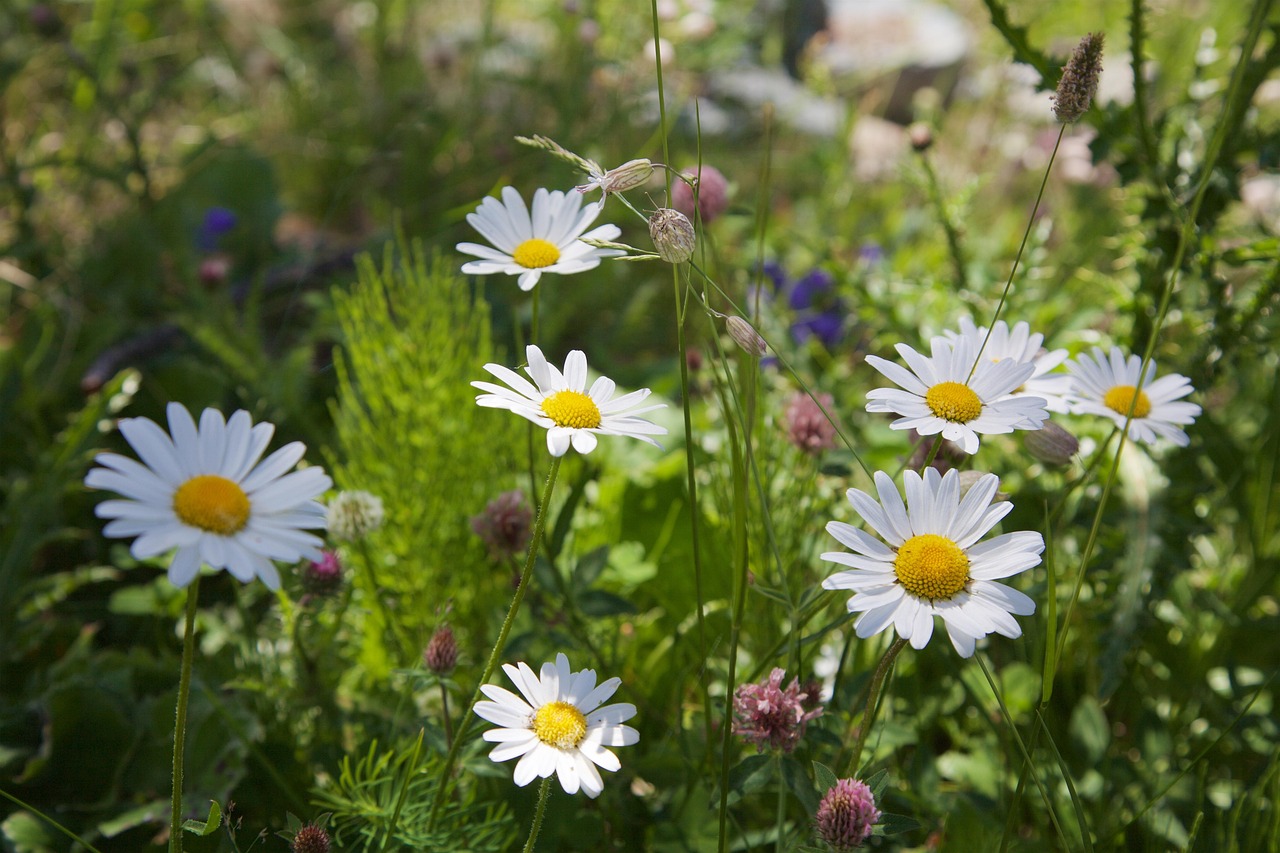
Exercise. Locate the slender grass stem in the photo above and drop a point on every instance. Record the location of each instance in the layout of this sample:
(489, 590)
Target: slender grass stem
(410, 768)
(544, 794)
(444, 714)
(442, 784)
(1017, 259)
(180, 717)
(949, 228)
(44, 817)
(780, 819)
(873, 701)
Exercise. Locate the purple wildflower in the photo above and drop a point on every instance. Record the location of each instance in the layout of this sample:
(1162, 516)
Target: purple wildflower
(217, 221)
(807, 427)
(505, 525)
(846, 815)
(768, 715)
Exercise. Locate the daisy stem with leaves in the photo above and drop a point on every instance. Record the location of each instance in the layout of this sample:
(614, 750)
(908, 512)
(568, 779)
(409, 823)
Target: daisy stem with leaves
(180, 717)
(539, 524)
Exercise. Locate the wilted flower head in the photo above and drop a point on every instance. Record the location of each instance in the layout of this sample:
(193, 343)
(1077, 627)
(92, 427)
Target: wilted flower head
(1051, 444)
(712, 193)
(628, 176)
(324, 576)
(846, 815)
(768, 715)
(672, 235)
(354, 515)
(1079, 81)
(441, 653)
(504, 525)
(807, 427)
(746, 336)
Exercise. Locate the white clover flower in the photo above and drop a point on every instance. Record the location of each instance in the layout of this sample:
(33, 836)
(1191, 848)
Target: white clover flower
(203, 491)
(549, 241)
(560, 402)
(933, 564)
(1023, 347)
(354, 515)
(1106, 384)
(558, 726)
(956, 394)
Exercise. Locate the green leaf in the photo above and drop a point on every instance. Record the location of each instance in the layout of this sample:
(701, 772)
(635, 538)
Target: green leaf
(588, 569)
(799, 783)
(895, 824)
(1089, 730)
(205, 827)
(597, 602)
(749, 775)
(823, 777)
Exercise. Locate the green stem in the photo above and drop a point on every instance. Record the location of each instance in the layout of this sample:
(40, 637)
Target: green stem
(1031, 221)
(444, 713)
(180, 721)
(681, 343)
(544, 794)
(780, 819)
(873, 699)
(44, 817)
(442, 785)
(410, 768)
(948, 227)
(376, 592)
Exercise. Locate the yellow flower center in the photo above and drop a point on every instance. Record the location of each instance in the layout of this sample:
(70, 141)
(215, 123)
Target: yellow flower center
(953, 401)
(536, 253)
(212, 503)
(572, 409)
(559, 724)
(1120, 398)
(931, 566)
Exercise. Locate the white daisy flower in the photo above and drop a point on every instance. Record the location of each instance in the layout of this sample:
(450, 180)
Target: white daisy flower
(549, 241)
(1106, 384)
(933, 564)
(1023, 347)
(560, 402)
(202, 491)
(956, 394)
(559, 726)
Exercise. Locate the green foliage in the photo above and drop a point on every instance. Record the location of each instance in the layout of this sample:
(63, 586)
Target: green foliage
(364, 797)
(408, 430)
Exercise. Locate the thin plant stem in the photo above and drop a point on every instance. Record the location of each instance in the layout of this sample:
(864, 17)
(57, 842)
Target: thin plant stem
(742, 563)
(873, 698)
(544, 794)
(376, 591)
(442, 785)
(180, 717)
(1026, 234)
(444, 714)
(411, 767)
(781, 818)
(948, 227)
(44, 817)
(1026, 756)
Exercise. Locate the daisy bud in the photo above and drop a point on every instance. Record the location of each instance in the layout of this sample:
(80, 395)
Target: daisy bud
(354, 515)
(672, 234)
(441, 654)
(1079, 81)
(807, 427)
(713, 193)
(1051, 444)
(505, 524)
(846, 815)
(629, 175)
(310, 839)
(324, 577)
(745, 336)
